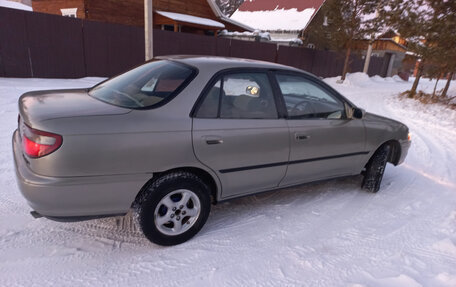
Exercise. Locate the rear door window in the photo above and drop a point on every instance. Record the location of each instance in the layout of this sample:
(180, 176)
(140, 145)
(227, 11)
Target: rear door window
(240, 96)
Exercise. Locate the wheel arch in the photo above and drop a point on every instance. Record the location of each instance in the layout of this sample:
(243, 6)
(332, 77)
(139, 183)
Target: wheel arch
(210, 179)
(395, 153)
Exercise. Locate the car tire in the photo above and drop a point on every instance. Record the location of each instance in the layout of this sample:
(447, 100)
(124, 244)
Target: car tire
(375, 168)
(173, 208)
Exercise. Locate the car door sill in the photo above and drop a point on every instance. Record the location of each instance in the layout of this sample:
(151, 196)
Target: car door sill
(285, 187)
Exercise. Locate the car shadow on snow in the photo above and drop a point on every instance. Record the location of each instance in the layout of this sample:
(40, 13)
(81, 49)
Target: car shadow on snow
(230, 214)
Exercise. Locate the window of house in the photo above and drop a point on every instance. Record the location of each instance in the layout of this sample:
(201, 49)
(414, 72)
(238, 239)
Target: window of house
(70, 12)
(325, 21)
(171, 28)
(167, 27)
(240, 96)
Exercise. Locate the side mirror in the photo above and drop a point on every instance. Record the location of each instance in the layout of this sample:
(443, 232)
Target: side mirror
(348, 111)
(358, 113)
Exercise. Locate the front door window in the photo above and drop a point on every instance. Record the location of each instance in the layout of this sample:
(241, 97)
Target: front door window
(305, 99)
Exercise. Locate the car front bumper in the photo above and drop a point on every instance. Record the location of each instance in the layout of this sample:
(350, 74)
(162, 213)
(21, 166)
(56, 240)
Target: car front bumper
(83, 196)
(405, 145)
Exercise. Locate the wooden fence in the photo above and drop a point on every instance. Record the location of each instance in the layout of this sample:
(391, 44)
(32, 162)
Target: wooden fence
(50, 46)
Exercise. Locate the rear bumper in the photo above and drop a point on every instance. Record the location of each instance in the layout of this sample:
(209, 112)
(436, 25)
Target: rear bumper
(75, 196)
(405, 145)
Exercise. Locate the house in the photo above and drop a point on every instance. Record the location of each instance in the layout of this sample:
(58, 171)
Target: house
(193, 16)
(387, 43)
(283, 19)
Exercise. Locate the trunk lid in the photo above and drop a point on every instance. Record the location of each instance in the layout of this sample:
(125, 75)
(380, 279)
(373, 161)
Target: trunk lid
(39, 106)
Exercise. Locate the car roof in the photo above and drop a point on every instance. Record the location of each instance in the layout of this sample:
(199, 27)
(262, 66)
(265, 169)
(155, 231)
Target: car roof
(221, 63)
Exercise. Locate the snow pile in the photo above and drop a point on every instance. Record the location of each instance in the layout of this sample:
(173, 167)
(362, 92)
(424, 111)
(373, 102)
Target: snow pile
(246, 34)
(258, 35)
(397, 78)
(15, 5)
(395, 281)
(445, 246)
(358, 79)
(446, 279)
(322, 234)
(388, 89)
(290, 41)
(275, 20)
(352, 79)
(377, 78)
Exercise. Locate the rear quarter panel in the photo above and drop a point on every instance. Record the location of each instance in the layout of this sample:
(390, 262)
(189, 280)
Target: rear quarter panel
(141, 141)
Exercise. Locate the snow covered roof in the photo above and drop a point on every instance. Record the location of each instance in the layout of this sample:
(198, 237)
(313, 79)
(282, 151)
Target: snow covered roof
(269, 5)
(15, 5)
(273, 15)
(191, 19)
(215, 8)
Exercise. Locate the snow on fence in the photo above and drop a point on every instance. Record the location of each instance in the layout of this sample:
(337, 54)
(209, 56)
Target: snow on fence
(50, 46)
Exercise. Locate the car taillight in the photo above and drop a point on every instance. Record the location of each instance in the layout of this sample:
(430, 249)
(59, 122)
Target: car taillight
(36, 143)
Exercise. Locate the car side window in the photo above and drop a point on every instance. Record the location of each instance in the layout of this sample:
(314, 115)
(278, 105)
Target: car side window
(240, 96)
(306, 99)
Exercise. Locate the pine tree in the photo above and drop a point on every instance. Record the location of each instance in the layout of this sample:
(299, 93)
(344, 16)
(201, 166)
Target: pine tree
(348, 23)
(428, 26)
(445, 54)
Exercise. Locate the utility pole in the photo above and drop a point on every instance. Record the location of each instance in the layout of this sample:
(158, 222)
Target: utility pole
(369, 49)
(368, 57)
(148, 29)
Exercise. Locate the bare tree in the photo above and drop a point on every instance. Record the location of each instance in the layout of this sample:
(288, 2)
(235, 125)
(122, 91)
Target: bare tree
(228, 7)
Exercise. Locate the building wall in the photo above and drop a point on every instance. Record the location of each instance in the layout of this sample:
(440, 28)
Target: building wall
(131, 12)
(127, 12)
(316, 34)
(397, 60)
(378, 45)
(54, 6)
(387, 45)
(198, 8)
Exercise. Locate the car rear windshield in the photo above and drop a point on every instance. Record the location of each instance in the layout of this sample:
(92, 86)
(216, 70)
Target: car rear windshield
(146, 86)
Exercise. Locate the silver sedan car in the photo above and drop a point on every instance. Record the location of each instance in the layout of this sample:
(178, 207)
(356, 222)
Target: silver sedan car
(176, 134)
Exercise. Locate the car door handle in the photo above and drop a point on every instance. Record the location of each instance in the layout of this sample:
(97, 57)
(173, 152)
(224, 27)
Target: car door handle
(301, 137)
(211, 140)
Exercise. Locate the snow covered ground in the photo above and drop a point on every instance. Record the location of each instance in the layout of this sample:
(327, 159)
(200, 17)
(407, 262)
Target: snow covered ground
(323, 234)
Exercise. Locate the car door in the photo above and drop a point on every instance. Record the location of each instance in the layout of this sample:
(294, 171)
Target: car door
(324, 142)
(237, 132)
